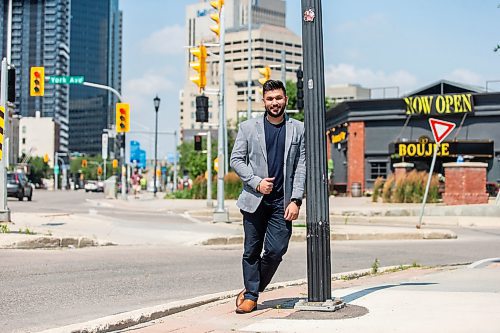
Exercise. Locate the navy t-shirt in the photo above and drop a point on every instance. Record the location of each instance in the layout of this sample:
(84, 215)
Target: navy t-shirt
(275, 145)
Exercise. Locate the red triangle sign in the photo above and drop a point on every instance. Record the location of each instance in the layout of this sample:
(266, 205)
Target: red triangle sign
(440, 129)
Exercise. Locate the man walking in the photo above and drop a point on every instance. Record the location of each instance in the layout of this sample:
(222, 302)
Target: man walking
(269, 157)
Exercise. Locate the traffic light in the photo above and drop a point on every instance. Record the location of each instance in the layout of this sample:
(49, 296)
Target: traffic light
(99, 170)
(199, 65)
(84, 163)
(266, 73)
(115, 164)
(11, 85)
(122, 117)
(216, 16)
(300, 89)
(197, 143)
(46, 158)
(37, 81)
(201, 109)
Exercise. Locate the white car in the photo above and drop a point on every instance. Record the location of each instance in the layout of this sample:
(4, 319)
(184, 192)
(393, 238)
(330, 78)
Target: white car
(94, 186)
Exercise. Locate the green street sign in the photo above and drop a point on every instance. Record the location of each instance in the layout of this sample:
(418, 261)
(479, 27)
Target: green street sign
(66, 79)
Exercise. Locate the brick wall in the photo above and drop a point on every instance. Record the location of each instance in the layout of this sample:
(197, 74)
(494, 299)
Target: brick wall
(465, 183)
(356, 155)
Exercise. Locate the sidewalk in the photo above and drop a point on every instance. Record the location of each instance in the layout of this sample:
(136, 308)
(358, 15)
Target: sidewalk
(447, 299)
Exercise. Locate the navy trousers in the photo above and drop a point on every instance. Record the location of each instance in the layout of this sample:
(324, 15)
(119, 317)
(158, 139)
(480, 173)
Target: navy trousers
(265, 227)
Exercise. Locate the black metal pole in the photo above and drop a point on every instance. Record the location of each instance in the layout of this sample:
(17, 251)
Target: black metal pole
(318, 223)
(156, 150)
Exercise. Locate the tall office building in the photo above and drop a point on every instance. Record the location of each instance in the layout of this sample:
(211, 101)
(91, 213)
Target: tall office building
(96, 53)
(270, 38)
(40, 37)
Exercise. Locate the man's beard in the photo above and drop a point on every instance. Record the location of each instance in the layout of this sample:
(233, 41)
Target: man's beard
(276, 115)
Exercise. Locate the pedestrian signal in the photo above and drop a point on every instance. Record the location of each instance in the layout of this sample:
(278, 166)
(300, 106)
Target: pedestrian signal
(197, 143)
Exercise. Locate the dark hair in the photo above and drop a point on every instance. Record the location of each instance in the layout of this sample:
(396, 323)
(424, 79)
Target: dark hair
(273, 85)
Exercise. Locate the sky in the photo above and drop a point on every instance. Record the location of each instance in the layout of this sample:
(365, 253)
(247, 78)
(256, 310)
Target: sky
(384, 43)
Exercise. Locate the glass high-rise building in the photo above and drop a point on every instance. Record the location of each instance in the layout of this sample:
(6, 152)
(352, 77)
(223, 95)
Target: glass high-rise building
(96, 46)
(40, 37)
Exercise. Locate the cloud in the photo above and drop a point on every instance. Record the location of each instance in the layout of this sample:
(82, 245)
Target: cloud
(368, 78)
(140, 91)
(167, 41)
(466, 76)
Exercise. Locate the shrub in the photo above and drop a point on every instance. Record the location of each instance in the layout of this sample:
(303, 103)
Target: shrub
(232, 185)
(398, 191)
(387, 189)
(433, 190)
(377, 188)
(199, 188)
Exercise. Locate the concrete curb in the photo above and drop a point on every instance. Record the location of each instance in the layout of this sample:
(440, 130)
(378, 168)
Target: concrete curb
(128, 319)
(302, 236)
(45, 242)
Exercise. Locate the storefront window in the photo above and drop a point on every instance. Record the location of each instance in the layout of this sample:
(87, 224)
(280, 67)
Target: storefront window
(378, 169)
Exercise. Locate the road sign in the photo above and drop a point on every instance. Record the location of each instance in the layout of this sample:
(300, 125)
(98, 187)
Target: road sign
(105, 146)
(440, 129)
(66, 79)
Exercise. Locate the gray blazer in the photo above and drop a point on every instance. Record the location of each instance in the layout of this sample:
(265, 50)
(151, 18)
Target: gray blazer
(249, 160)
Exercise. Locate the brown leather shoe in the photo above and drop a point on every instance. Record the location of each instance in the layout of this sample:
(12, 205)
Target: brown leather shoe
(247, 306)
(240, 297)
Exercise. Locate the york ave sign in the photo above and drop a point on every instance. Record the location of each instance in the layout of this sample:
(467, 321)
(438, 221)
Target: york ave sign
(66, 79)
(438, 105)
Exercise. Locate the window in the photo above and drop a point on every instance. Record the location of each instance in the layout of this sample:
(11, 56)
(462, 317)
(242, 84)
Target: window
(378, 169)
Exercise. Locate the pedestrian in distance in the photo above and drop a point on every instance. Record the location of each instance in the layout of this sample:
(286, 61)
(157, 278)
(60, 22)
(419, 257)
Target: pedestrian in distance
(135, 181)
(269, 157)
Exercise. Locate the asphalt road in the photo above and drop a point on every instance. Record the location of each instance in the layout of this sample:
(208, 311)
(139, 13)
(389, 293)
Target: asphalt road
(49, 288)
(43, 289)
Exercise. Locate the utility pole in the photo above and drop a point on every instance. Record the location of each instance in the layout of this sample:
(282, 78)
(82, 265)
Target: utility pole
(209, 168)
(249, 83)
(123, 138)
(317, 219)
(220, 213)
(4, 113)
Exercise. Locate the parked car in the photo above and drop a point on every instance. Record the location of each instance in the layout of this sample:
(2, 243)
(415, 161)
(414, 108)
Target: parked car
(18, 186)
(94, 186)
(492, 189)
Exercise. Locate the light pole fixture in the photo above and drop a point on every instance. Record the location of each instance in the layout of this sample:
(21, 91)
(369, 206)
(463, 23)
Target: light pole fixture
(156, 101)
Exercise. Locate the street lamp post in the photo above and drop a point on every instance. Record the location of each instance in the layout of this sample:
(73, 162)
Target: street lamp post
(156, 101)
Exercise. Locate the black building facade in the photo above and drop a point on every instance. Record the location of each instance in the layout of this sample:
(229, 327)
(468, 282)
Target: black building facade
(96, 42)
(367, 137)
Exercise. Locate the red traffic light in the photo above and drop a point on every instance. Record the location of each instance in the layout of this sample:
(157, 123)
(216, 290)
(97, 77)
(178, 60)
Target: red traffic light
(37, 74)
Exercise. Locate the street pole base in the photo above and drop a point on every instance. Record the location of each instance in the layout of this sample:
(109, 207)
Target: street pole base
(221, 217)
(5, 216)
(330, 305)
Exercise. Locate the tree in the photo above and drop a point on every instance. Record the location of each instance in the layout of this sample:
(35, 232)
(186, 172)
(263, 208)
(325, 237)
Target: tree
(291, 92)
(38, 170)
